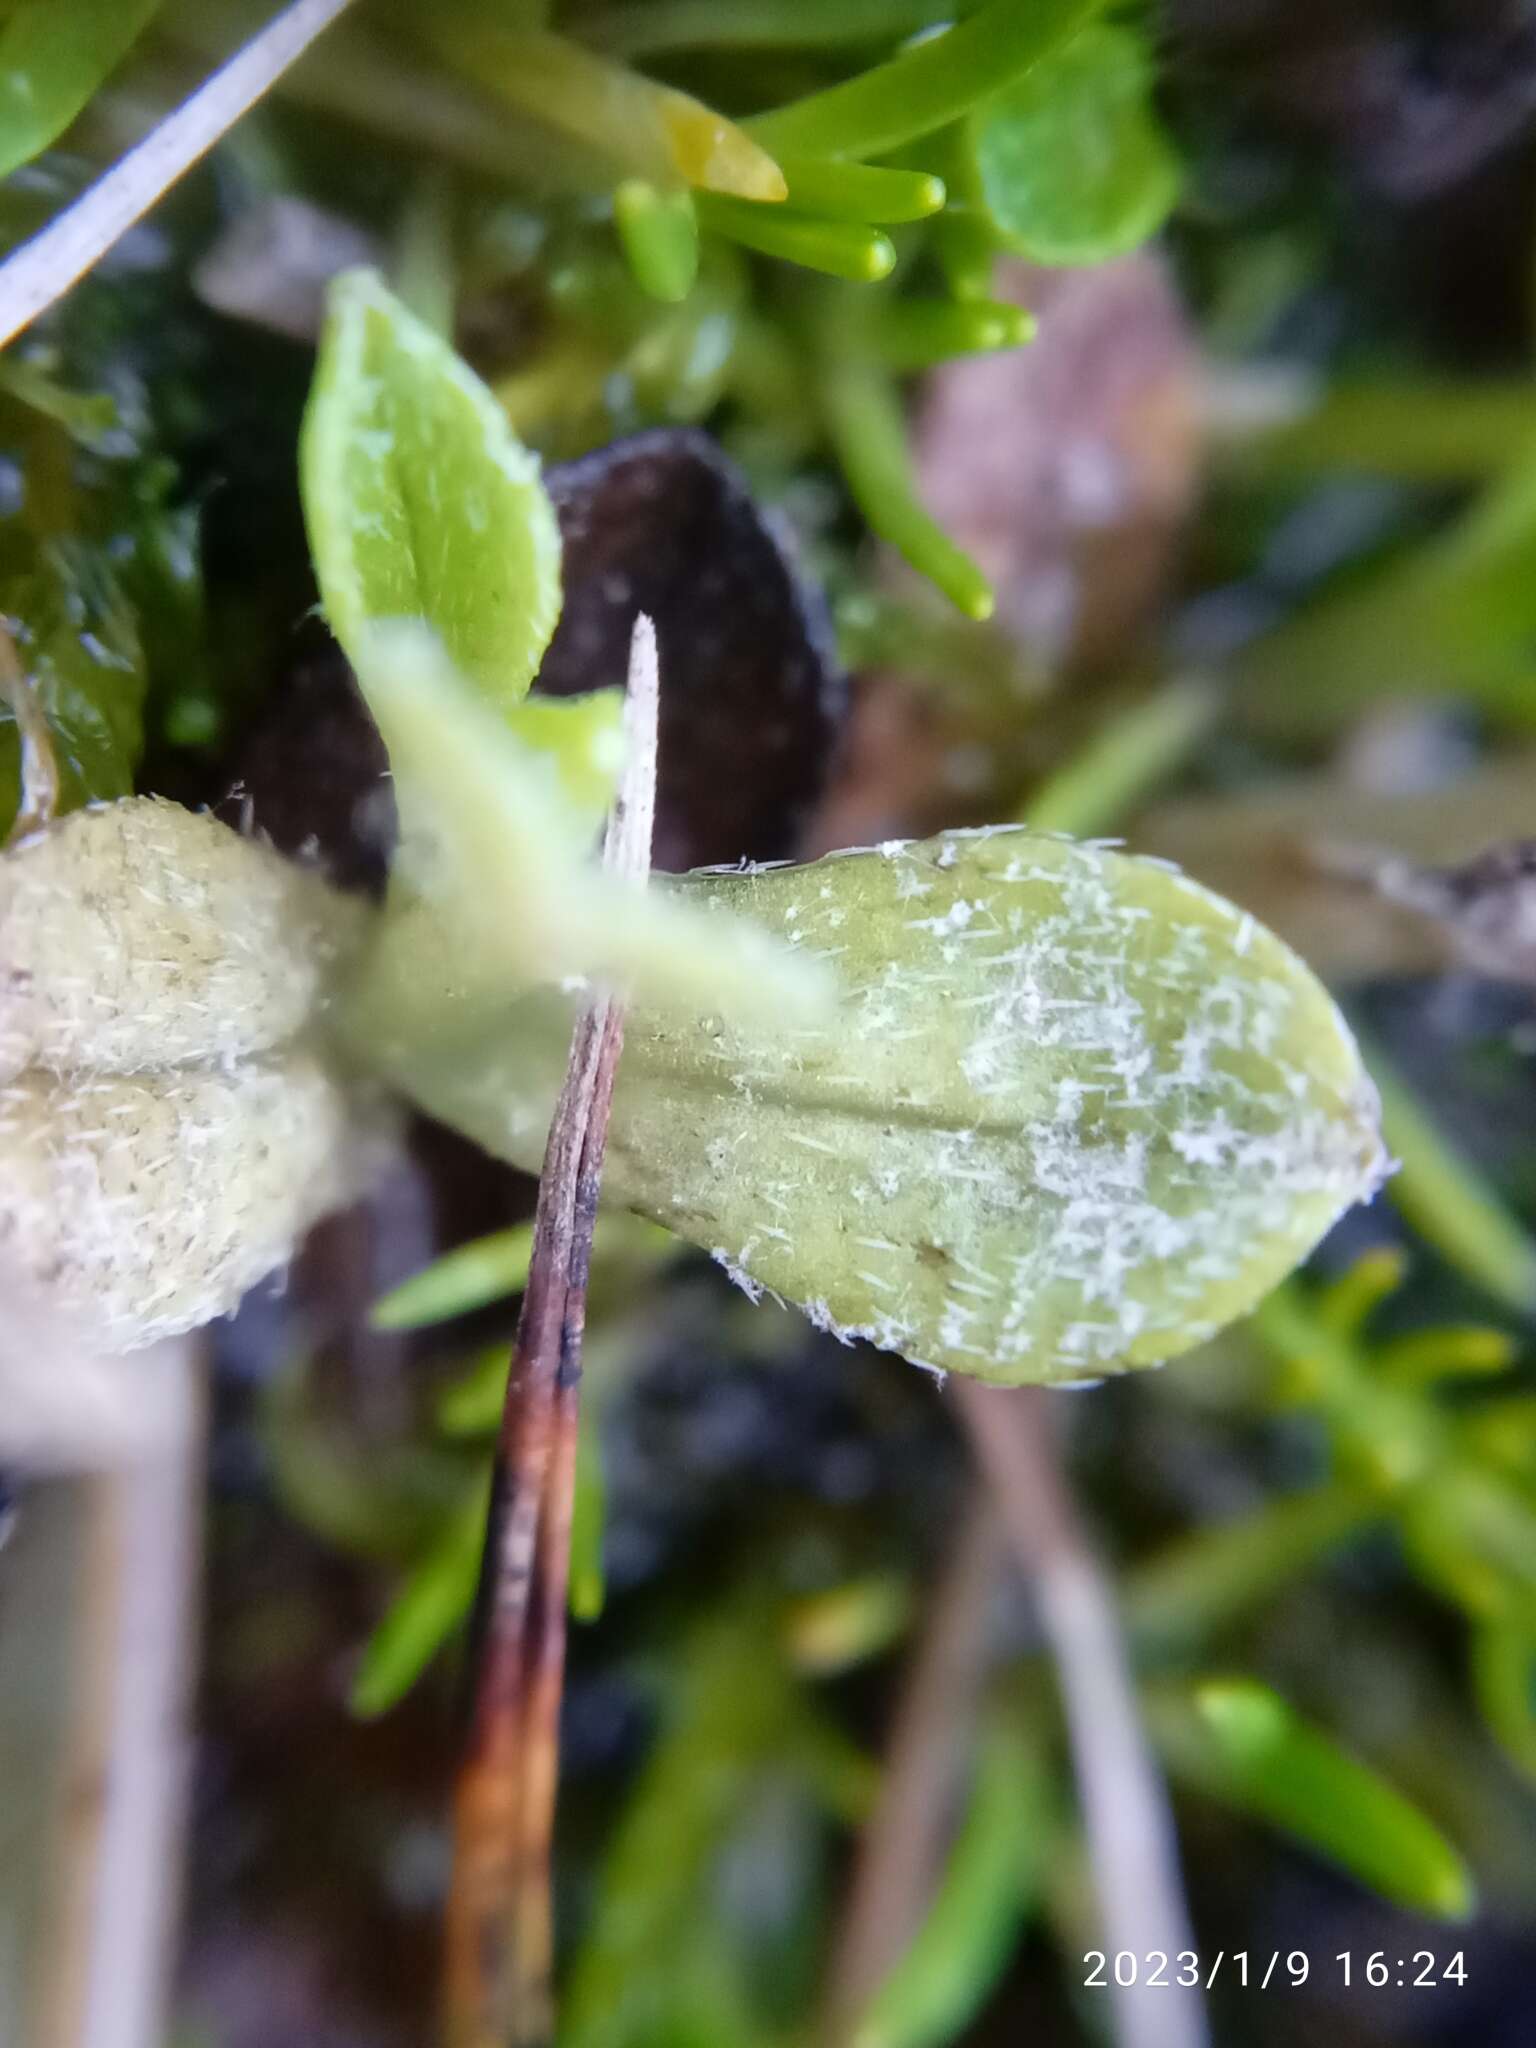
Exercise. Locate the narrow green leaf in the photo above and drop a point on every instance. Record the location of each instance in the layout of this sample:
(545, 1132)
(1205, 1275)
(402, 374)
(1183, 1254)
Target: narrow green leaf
(486, 1270)
(864, 420)
(420, 501)
(1070, 161)
(472, 1404)
(53, 56)
(1504, 1681)
(659, 233)
(588, 1584)
(1072, 1114)
(914, 334)
(78, 645)
(1447, 1200)
(434, 1601)
(987, 1892)
(840, 248)
(730, 1718)
(1243, 1743)
(1198, 1584)
(847, 1624)
(425, 267)
(924, 87)
(490, 1268)
(648, 130)
(1125, 760)
(861, 192)
(641, 27)
(89, 417)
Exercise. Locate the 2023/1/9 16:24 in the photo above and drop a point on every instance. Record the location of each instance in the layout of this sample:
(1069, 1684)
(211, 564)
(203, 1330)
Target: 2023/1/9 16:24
(1253, 1969)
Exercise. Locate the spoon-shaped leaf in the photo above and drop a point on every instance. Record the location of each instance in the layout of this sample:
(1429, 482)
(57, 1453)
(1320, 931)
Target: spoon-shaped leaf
(1072, 1114)
(1069, 161)
(51, 60)
(421, 502)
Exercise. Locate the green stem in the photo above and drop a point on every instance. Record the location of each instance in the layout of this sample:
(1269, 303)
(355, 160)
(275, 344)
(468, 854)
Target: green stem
(1433, 431)
(1199, 1584)
(838, 248)
(914, 334)
(425, 271)
(762, 24)
(927, 86)
(659, 233)
(1448, 1201)
(864, 420)
(861, 192)
(1124, 761)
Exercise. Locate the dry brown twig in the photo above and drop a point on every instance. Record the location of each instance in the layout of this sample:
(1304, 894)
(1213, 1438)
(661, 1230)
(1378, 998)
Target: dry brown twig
(499, 1933)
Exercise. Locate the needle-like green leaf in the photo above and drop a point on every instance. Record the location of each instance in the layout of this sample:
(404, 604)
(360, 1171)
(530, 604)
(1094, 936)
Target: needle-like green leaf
(1243, 1743)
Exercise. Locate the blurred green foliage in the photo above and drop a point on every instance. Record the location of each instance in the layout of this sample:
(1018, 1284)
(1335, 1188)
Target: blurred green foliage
(611, 286)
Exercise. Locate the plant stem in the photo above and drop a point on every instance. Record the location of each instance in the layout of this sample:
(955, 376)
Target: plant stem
(499, 1935)
(925, 87)
(43, 269)
(1125, 760)
(864, 420)
(840, 248)
(761, 24)
(861, 192)
(913, 334)
(659, 233)
(98, 1928)
(1448, 1202)
(900, 1852)
(1125, 1808)
(425, 263)
(37, 800)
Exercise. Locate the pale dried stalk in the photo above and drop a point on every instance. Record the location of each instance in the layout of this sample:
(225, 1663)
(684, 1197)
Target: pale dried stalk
(103, 1965)
(900, 1852)
(499, 1934)
(38, 800)
(43, 269)
(1132, 1847)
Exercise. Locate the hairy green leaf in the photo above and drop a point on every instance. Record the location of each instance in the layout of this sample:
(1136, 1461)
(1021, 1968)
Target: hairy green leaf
(421, 502)
(52, 58)
(1073, 1112)
(1070, 161)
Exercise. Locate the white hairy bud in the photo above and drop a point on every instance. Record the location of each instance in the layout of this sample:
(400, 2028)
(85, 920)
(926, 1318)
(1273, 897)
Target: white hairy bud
(168, 1128)
(138, 935)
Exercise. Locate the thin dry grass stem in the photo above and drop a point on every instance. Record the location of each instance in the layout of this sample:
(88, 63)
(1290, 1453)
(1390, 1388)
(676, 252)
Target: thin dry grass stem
(43, 269)
(38, 801)
(499, 1933)
(900, 1852)
(1131, 1841)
